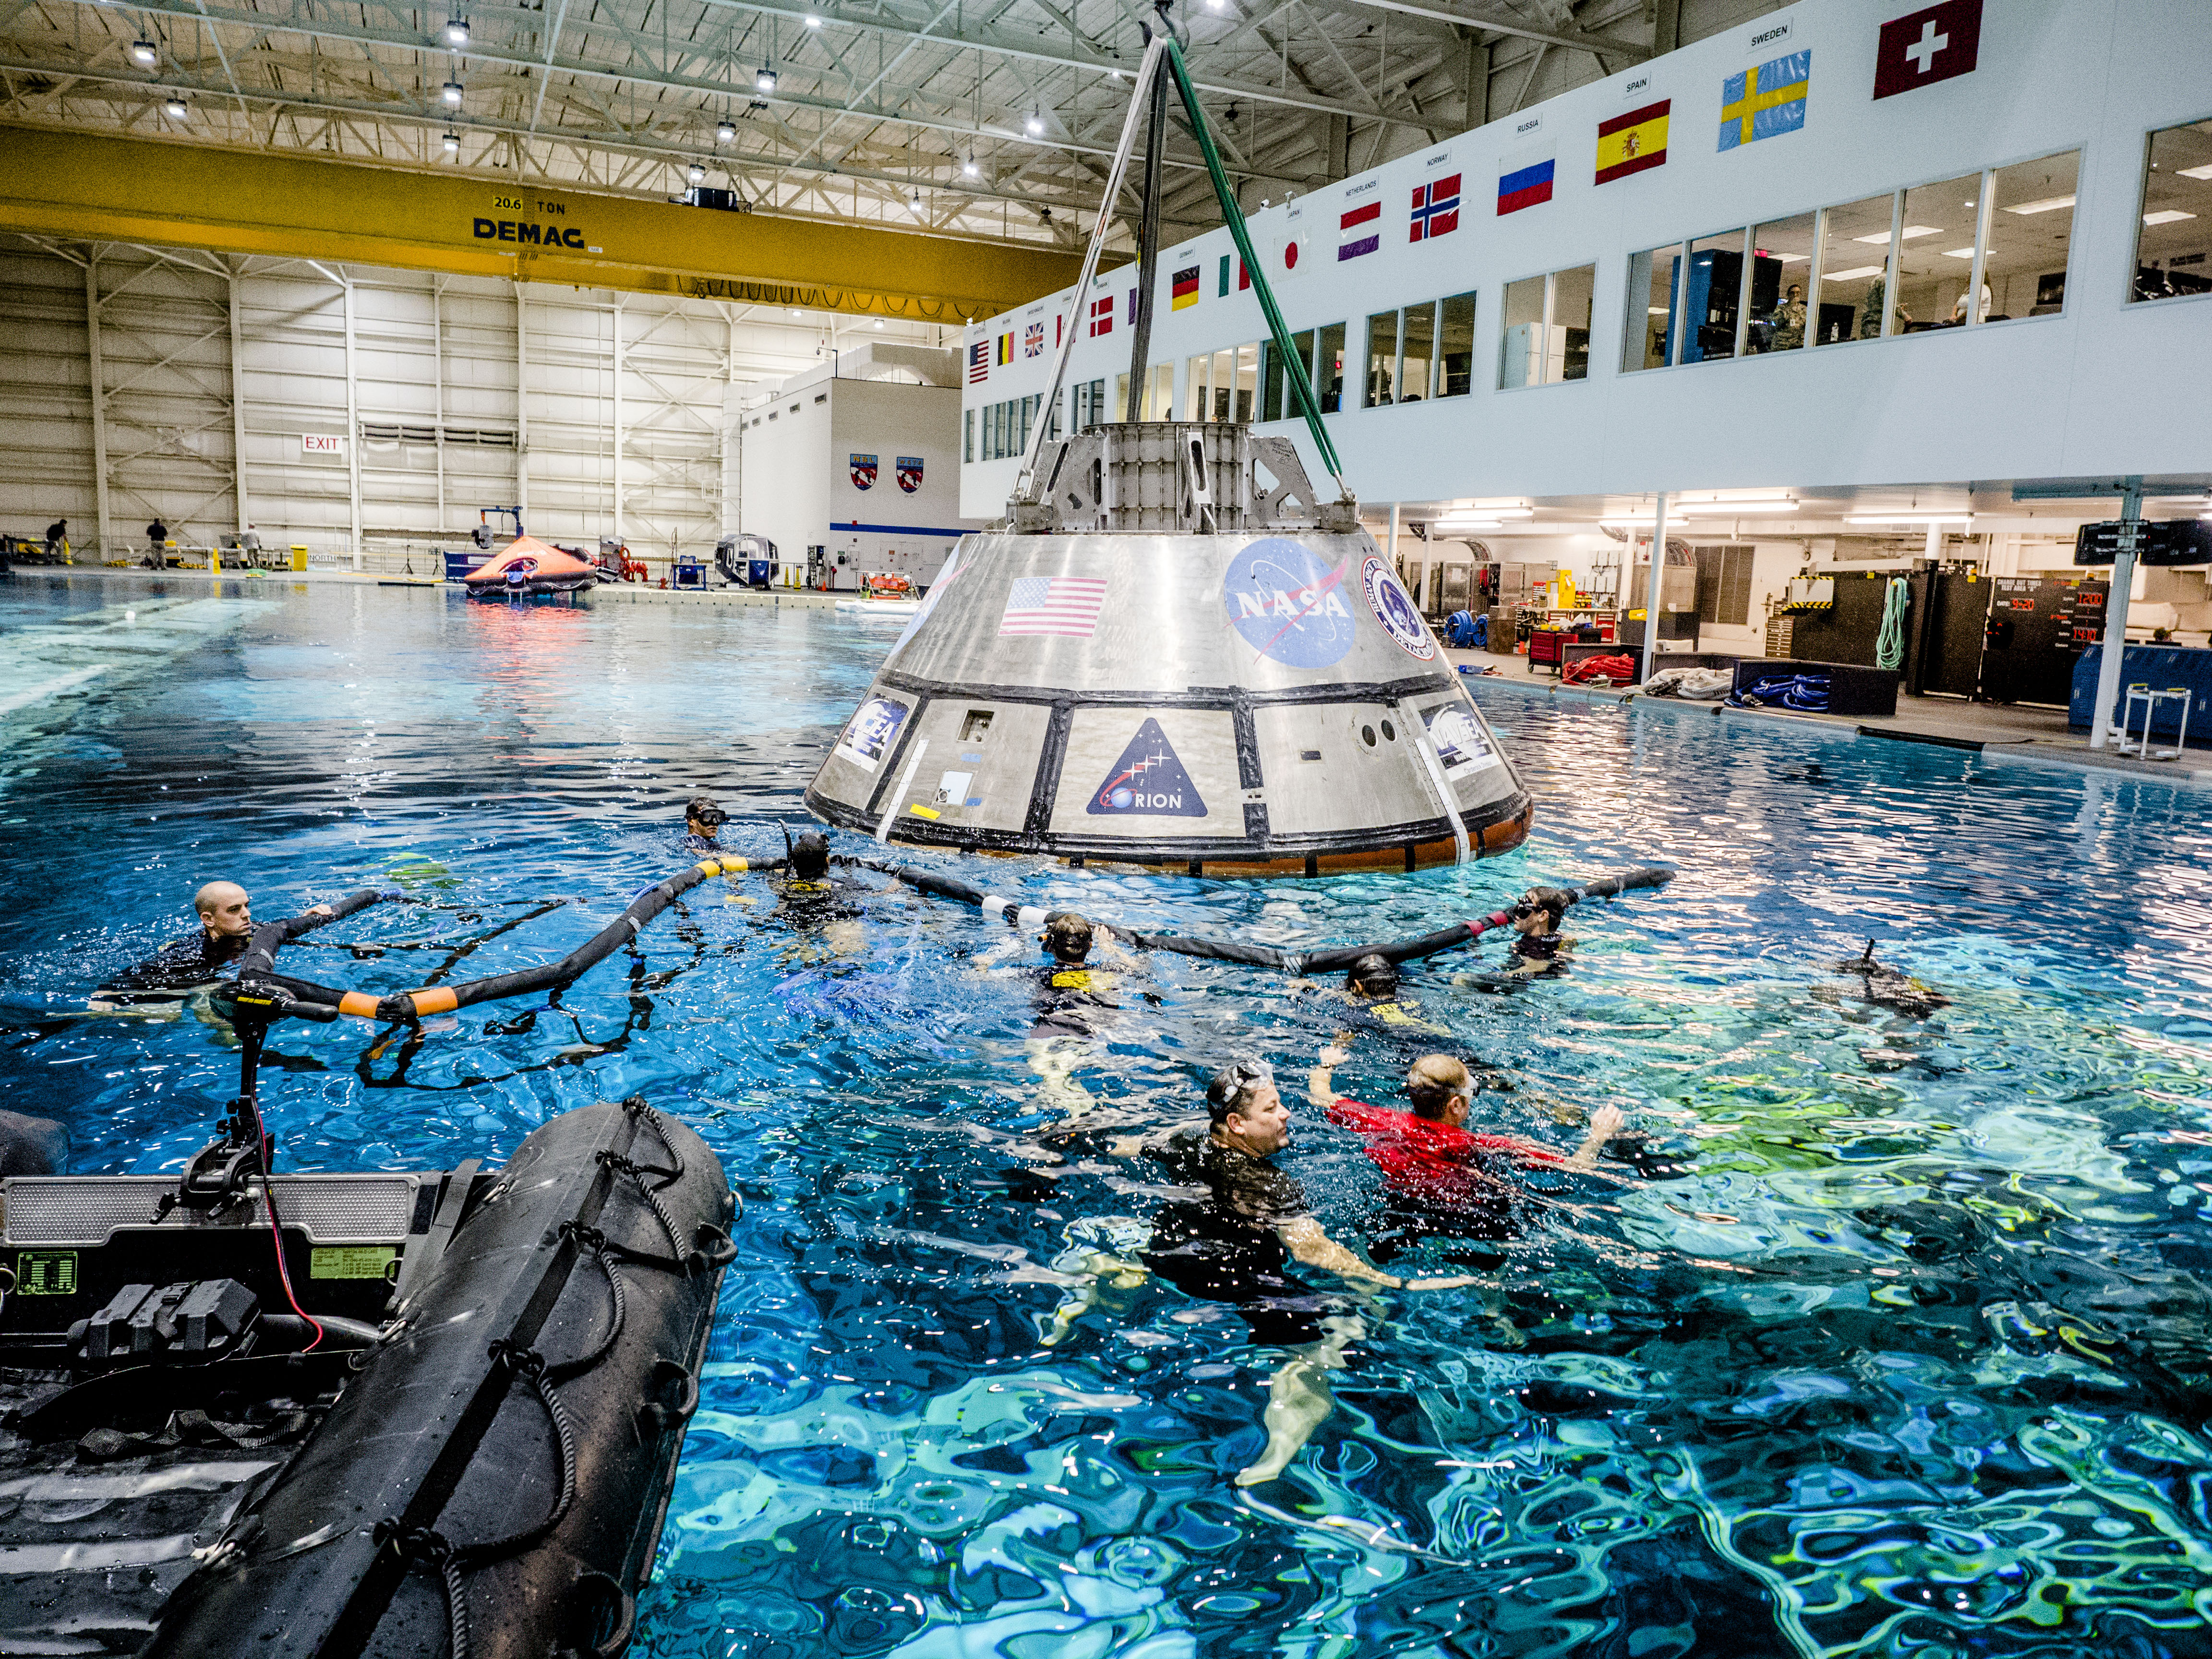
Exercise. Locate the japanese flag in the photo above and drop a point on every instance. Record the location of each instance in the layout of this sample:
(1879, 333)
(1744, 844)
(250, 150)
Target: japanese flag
(1292, 255)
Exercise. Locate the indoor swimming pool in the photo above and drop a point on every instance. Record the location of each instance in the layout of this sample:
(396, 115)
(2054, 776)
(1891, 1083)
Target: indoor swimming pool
(1902, 1351)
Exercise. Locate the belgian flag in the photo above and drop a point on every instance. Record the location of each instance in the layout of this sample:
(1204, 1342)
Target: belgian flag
(1185, 289)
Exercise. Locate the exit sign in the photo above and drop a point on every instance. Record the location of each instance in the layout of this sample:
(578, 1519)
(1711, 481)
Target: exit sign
(322, 443)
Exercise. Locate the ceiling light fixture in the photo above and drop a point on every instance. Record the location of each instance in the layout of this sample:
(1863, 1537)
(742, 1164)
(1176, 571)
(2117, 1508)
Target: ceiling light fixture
(812, 21)
(2048, 205)
(725, 130)
(914, 201)
(177, 108)
(1730, 509)
(765, 80)
(144, 54)
(968, 167)
(456, 31)
(1455, 527)
(695, 174)
(1903, 235)
(1958, 253)
(1035, 123)
(2204, 172)
(879, 322)
(453, 93)
(2167, 216)
(453, 141)
(1908, 518)
(1852, 275)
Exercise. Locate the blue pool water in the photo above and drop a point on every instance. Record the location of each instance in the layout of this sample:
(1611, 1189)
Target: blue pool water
(1911, 1362)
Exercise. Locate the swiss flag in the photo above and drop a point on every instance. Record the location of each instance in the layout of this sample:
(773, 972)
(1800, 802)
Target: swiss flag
(1923, 47)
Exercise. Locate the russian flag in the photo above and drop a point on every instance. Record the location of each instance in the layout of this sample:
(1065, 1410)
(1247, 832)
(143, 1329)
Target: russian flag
(1525, 187)
(1359, 231)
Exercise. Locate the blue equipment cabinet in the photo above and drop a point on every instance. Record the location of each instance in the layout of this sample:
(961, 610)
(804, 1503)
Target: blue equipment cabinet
(690, 572)
(2155, 666)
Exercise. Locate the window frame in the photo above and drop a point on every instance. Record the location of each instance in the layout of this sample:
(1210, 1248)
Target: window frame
(1546, 312)
(2143, 203)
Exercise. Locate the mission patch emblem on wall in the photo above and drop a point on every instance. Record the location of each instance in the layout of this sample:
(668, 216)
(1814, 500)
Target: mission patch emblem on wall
(1394, 608)
(1149, 779)
(864, 471)
(909, 473)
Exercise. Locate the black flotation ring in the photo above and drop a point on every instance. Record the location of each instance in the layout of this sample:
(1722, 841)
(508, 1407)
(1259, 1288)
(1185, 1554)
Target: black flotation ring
(492, 1481)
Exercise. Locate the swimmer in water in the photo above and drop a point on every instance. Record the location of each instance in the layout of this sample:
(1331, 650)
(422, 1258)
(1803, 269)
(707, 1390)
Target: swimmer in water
(197, 960)
(1539, 947)
(702, 822)
(1075, 1005)
(1237, 1242)
(815, 901)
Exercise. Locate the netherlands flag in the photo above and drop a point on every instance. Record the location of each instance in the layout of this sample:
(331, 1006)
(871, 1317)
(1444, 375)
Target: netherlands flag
(1359, 231)
(1524, 187)
(1436, 208)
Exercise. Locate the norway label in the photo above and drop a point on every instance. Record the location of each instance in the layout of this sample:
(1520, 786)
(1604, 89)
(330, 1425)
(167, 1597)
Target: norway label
(1148, 778)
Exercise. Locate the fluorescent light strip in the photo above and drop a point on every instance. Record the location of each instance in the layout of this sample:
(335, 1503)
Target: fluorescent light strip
(2167, 216)
(1908, 518)
(1851, 276)
(2048, 205)
(1958, 253)
(2204, 172)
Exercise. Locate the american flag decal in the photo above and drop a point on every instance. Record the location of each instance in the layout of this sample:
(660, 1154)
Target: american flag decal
(979, 362)
(1067, 605)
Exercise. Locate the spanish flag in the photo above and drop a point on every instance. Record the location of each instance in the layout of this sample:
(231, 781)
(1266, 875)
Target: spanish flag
(1007, 348)
(1632, 142)
(1184, 290)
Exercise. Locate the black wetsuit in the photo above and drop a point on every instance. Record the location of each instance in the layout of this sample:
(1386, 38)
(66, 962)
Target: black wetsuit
(1226, 1247)
(1069, 1003)
(701, 844)
(1540, 950)
(181, 965)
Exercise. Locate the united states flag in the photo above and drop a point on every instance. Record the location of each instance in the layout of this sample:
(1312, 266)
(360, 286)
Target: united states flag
(1054, 604)
(979, 362)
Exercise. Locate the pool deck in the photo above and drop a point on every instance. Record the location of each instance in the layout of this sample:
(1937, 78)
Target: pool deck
(633, 593)
(2014, 734)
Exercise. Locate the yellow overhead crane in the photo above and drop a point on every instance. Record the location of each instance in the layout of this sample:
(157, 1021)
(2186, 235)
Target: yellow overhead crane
(84, 186)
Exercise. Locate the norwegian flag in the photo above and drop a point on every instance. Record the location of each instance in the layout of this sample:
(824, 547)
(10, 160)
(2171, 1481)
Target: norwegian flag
(1032, 341)
(1101, 316)
(979, 362)
(1436, 208)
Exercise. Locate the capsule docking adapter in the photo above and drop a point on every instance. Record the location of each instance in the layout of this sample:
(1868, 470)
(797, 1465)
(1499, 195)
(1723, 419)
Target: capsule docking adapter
(1174, 656)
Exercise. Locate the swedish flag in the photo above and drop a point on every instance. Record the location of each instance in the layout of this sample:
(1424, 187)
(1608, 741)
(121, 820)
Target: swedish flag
(1766, 101)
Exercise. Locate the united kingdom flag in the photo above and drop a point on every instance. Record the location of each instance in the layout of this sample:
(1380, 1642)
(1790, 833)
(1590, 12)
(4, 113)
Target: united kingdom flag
(1436, 208)
(1033, 340)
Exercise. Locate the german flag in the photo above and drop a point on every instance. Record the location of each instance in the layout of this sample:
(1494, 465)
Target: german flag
(1185, 288)
(1632, 143)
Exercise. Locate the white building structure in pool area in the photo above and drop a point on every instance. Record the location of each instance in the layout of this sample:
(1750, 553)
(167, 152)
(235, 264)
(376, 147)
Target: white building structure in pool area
(857, 456)
(1750, 265)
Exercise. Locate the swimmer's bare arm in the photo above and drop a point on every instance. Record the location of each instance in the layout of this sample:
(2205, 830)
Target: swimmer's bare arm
(1320, 1081)
(1605, 1124)
(1309, 1245)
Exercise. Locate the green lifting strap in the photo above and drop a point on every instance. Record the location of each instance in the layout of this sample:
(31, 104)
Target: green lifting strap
(1301, 383)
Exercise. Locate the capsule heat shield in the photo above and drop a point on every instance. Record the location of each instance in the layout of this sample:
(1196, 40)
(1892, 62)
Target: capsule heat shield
(1265, 699)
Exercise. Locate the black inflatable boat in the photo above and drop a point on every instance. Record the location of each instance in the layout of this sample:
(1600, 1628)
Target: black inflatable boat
(394, 1414)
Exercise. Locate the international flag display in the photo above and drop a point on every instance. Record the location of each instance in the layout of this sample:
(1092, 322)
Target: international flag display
(1359, 231)
(1066, 606)
(1101, 316)
(1762, 102)
(979, 362)
(1183, 289)
(1524, 187)
(1033, 340)
(1436, 208)
(1007, 347)
(1933, 44)
(1634, 143)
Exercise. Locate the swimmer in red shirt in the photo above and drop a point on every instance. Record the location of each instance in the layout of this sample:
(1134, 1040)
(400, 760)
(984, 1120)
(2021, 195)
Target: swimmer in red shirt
(1432, 1163)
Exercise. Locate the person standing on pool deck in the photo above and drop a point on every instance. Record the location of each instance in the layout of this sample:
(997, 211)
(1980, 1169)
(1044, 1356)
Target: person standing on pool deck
(226, 913)
(1237, 1245)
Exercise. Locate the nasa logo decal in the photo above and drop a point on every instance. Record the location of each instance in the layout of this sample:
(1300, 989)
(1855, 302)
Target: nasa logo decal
(1394, 608)
(1287, 603)
(1148, 778)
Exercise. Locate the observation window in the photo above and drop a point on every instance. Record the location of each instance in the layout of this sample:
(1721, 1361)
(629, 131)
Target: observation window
(1781, 284)
(1382, 360)
(1546, 328)
(968, 435)
(1417, 352)
(1455, 346)
(1937, 235)
(1712, 303)
(1855, 249)
(1654, 285)
(1328, 368)
(2031, 235)
(2174, 238)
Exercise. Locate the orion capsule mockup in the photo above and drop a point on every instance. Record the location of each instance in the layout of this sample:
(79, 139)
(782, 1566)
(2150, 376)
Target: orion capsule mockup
(1174, 657)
